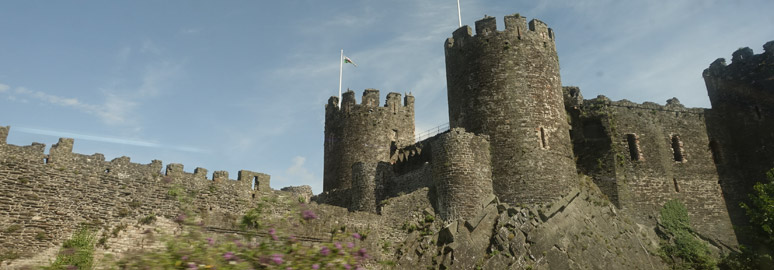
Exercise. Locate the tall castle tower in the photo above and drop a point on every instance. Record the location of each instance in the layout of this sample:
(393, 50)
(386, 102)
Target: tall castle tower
(364, 132)
(506, 84)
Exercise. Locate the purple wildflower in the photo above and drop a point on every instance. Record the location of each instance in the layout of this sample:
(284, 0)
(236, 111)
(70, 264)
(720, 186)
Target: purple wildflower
(325, 251)
(184, 258)
(350, 245)
(272, 231)
(210, 241)
(229, 256)
(180, 218)
(338, 245)
(276, 258)
(237, 243)
(356, 236)
(192, 266)
(315, 266)
(346, 266)
(308, 214)
(362, 253)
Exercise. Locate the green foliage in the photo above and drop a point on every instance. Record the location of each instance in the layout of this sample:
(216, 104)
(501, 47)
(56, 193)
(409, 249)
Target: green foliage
(680, 247)
(746, 259)
(149, 219)
(674, 216)
(195, 250)
(76, 252)
(761, 213)
(13, 228)
(761, 208)
(252, 218)
(9, 255)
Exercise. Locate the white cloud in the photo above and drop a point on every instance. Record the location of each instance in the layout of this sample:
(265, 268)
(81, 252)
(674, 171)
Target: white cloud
(148, 46)
(4, 88)
(189, 31)
(107, 139)
(298, 173)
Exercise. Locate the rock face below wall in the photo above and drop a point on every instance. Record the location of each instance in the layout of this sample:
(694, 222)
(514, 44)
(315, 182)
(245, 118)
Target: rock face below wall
(580, 231)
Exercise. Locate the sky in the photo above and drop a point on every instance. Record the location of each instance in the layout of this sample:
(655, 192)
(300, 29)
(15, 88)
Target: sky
(232, 85)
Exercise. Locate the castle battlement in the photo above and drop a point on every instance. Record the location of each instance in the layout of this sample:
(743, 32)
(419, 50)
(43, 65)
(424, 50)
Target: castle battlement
(516, 30)
(62, 158)
(370, 101)
(745, 65)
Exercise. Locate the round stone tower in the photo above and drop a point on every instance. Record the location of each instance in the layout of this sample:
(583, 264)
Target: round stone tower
(506, 84)
(363, 132)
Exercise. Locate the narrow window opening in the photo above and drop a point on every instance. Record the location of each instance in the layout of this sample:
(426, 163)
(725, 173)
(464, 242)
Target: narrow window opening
(677, 186)
(543, 138)
(253, 195)
(677, 148)
(715, 149)
(107, 170)
(255, 184)
(545, 44)
(45, 160)
(634, 147)
(758, 114)
(393, 149)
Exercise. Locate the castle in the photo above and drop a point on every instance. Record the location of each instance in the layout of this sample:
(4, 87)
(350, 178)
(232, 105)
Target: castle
(517, 134)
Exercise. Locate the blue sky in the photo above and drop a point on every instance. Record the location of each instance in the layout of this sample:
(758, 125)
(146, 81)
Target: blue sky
(230, 85)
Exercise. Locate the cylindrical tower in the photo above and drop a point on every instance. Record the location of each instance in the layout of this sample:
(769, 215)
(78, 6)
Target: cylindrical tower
(506, 84)
(462, 173)
(363, 132)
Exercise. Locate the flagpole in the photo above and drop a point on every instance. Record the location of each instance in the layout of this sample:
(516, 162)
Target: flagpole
(459, 14)
(341, 71)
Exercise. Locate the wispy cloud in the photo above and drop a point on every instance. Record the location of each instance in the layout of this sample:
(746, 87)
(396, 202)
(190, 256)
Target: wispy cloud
(4, 88)
(298, 174)
(107, 139)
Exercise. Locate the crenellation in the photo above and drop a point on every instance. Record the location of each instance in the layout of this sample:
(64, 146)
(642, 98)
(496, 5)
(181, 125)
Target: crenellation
(515, 23)
(220, 176)
(370, 98)
(742, 54)
(486, 26)
(4, 134)
(348, 100)
(200, 173)
(86, 188)
(257, 181)
(540, 28)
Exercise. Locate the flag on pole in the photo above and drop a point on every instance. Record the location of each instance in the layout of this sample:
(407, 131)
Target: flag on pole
(349, 61)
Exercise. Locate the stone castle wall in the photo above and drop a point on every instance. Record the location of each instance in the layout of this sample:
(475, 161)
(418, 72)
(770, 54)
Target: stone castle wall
(462, 173)
(656, 153)
(741, 123)
(44, 198)
(506, 84)
(363, 132)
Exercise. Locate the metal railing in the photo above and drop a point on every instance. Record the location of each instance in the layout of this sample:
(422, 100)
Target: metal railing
(432, 132)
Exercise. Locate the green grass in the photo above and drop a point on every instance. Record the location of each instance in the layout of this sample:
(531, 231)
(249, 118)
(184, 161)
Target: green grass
(76, 252)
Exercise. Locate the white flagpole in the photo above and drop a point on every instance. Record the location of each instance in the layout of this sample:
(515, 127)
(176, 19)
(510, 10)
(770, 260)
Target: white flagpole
(341, 71)
(459, 14)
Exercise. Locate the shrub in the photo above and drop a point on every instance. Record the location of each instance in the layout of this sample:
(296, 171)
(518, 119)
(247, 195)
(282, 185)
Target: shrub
(76, 252)
(251, 219)
(761, 207)
(680, 247)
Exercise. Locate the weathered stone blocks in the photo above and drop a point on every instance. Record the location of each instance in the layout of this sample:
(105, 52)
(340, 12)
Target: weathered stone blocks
(462, 173)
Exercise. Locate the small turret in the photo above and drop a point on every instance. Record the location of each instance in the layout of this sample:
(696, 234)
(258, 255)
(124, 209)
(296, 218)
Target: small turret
(364, 132)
